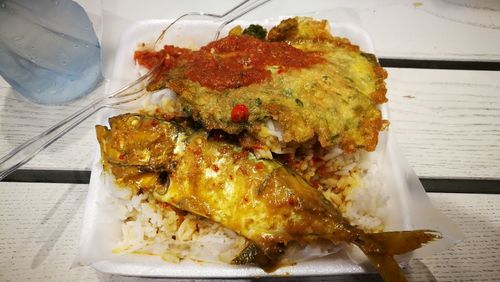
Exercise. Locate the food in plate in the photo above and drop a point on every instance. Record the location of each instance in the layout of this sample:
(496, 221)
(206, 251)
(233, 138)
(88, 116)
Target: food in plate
(306, 83)
(265, 149)
(261, 200)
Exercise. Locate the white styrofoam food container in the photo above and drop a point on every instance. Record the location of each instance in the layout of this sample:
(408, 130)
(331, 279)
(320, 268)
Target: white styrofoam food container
(408, 204)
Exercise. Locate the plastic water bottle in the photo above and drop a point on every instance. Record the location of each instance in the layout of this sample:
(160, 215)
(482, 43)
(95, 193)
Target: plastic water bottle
(49, 52)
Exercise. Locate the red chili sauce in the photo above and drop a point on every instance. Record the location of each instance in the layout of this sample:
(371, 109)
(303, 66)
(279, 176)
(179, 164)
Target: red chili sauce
(230, 62)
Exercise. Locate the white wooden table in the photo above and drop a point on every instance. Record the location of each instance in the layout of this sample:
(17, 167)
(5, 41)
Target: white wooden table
(443, 59)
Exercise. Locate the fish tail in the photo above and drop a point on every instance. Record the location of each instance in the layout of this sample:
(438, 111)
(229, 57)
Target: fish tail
(380, 249)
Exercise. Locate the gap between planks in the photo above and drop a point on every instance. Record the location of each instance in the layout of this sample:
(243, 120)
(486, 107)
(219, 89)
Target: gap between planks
(441, 185)
(440, 64)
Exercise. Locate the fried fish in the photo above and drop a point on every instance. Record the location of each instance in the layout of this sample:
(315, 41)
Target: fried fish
(262, 200)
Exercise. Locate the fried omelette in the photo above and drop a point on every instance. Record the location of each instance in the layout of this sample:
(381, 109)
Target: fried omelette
(262, 200)
(310, 84)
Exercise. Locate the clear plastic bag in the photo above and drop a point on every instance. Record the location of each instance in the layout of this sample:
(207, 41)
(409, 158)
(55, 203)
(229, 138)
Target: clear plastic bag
(49, 51)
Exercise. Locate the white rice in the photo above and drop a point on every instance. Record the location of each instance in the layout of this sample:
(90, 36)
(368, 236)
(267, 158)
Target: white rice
(355, 185)
(148, 228)
(366, 205)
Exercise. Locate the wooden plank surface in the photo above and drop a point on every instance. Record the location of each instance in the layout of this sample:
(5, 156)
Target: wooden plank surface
(419, 29)
(446, 121)
(453, 134)
(477, 258)
(20, 120)
(40, 233)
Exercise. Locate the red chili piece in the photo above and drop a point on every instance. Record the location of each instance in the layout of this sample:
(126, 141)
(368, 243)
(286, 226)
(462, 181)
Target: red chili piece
(239, 113)
(259, 166)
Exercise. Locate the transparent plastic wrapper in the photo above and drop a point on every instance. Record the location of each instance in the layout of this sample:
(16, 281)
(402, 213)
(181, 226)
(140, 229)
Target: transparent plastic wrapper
(407, 205)
(49, 51)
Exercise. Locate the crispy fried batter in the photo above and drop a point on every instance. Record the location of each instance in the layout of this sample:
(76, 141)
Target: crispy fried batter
(334, 100)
